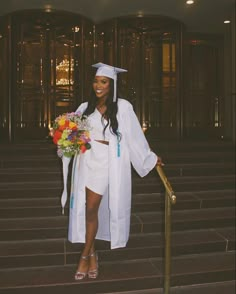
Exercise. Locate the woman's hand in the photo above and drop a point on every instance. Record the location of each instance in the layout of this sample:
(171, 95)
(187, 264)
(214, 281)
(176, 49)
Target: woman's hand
(159, 162)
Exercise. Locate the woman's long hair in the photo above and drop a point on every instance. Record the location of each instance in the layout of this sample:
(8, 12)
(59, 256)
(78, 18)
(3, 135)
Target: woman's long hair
(109, 116)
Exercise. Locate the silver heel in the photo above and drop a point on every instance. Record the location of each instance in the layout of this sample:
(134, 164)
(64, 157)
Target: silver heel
(81, 275)
(93, 274)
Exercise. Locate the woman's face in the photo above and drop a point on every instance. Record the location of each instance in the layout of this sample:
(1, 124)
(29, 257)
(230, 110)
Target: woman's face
(101, 87)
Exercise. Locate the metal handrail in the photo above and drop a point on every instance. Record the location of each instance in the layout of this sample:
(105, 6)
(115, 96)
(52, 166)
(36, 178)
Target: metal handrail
(170, 199)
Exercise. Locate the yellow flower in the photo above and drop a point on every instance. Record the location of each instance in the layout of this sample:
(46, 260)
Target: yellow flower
(61, 122)
(72, 125)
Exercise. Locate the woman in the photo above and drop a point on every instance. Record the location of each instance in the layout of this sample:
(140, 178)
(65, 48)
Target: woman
(100, 203)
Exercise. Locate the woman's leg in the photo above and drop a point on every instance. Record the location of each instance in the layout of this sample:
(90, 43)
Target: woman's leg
(93, 201)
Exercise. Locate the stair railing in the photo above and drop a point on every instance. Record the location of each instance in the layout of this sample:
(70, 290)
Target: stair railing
(170, 199)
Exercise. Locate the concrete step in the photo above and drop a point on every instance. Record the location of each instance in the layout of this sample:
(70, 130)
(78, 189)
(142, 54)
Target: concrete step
(191, 145)
(36, 257)
(50, 252)
(144, 185)
(42, 146)
(54, 172)
(227, 287)
(35, 226)
(10, 161)
(120, 276)
(140, 202)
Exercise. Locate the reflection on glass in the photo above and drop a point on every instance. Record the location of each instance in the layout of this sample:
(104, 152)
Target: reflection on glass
(168, 58)
(63, 70)
(160, 81)
(148, 50)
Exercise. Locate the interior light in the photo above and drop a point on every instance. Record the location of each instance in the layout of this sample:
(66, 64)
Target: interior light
(227, 21)
(189, 2)
(76, 29)
(140, 14)
(47, 8)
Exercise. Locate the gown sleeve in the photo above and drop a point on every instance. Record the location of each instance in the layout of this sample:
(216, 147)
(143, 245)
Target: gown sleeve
(82, 107)
(65, 168)
(141, 156)
(65, 164)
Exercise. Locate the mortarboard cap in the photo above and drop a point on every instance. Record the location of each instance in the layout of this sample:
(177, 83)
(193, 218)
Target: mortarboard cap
(105, 70)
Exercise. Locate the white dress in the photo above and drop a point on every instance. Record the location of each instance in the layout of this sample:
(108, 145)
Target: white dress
(97, 157)
(115, 208)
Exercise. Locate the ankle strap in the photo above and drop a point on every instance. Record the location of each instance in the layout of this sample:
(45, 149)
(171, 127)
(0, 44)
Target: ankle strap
(85, 257)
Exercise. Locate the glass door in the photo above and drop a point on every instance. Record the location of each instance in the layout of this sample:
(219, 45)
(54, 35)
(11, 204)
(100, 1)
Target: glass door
(31, 91)
(204, 99)
(148, 48)
(48, 62)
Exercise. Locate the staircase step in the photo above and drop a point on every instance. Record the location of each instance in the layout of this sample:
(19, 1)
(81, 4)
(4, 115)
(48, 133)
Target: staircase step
(120, 276)
(227, 287)
(36, 257)
(29, 228)
(59, 251)
(191, 169)
(52, 173)
(189, 219)
(191, 145)
(140, 202)
(52, 161)
(46, 145)
(162, 147)
(24, 193)
(189, 184)
(149, 185)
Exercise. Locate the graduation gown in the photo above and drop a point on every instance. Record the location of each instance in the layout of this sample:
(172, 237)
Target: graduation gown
(115, 208)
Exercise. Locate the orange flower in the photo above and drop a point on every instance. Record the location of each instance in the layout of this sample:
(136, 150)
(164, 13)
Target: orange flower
(72, 126)
(82, 148)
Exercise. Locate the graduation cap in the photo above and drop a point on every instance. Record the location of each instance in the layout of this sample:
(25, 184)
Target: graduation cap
(105, 70)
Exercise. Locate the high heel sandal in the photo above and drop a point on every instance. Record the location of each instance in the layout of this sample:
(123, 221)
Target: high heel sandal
(93, 274)
(81, 275)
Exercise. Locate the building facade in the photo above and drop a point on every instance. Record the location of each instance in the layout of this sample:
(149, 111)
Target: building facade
(181, 84)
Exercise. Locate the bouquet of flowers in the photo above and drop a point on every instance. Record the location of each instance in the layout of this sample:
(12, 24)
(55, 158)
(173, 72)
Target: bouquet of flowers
(70, 133)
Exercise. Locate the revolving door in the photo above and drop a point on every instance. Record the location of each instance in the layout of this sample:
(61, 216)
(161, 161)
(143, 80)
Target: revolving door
(174, 78)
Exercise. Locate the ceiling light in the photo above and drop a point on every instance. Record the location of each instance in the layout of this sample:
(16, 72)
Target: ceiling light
(48, 8)
(76, 29)
(227, 21)
(140, 14)
(189, 2)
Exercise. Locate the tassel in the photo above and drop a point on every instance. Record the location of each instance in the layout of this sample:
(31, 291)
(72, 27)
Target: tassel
(118, 149)
(118, 144)
(72, 201)
(72, 181)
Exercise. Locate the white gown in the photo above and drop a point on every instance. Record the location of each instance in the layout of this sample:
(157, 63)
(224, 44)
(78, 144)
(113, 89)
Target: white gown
(115, 208)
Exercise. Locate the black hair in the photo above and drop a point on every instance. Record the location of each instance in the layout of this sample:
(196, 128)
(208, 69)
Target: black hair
(109, 117)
